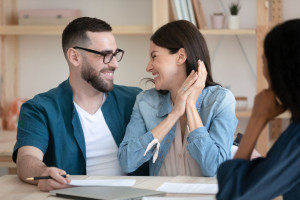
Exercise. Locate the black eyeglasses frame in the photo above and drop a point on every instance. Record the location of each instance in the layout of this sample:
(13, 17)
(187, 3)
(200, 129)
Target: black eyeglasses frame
(104, 53)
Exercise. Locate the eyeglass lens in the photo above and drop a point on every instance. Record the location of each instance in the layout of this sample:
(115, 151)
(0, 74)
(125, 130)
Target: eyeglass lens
(108, 57)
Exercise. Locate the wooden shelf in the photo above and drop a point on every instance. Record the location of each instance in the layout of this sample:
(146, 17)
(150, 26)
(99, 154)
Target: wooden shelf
(118, 30)
(57, 30)
(228, 31)
(247, 114)
(243, 113)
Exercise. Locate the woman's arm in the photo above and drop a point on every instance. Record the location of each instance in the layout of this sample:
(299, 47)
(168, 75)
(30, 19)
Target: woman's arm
(210, 146)
(264, 178)
(265, 108)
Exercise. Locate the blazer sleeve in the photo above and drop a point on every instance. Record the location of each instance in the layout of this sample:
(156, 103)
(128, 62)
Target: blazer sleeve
(261, 178)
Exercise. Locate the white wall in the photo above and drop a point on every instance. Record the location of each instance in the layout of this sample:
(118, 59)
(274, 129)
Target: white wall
(42, 65)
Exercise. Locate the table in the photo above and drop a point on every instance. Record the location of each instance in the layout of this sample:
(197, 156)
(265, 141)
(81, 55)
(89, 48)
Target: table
(14, 189)
(7, 142)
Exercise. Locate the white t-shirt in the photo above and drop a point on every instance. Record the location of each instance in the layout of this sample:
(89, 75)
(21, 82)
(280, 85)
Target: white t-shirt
(101, 148)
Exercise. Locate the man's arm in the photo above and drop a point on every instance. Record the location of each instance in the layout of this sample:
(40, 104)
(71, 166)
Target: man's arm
(30, 164)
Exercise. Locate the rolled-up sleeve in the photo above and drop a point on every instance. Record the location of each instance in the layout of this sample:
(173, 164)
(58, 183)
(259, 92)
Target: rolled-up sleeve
(32, 128)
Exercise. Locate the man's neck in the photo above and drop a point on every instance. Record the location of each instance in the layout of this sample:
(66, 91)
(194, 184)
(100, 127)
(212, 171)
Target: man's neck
(87, 97)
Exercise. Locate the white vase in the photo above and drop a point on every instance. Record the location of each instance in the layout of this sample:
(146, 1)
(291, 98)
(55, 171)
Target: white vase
(233, 22)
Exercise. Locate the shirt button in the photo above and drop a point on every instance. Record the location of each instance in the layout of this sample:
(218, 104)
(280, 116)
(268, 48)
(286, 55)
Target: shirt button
(180, 156)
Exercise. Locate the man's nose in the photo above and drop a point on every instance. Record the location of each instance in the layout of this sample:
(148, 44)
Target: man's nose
(113, 63)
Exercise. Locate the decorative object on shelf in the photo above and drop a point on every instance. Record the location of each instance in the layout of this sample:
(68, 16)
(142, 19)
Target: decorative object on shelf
(233, 19)
(12, 117)
(217, 20)
(47, 16)
(241, 103)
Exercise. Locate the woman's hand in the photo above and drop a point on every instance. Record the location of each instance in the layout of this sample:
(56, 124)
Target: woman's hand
(198, 86)
(183, 93)
(266, 107)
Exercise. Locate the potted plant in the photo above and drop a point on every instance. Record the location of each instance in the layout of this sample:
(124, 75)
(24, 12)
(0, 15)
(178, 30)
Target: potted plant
(233, 20)
(217, 20)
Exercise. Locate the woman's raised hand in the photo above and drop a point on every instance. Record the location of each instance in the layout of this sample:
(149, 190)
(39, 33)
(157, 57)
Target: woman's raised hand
(266, 106)
(183, 93)
(199, 84)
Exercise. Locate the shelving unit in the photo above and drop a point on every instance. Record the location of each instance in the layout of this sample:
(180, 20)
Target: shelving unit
(18, 30)
(228, 32)
(10, 32)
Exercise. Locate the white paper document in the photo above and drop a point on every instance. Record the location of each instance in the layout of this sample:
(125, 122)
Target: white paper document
(105, 182)
(179, 198)
(189, 188)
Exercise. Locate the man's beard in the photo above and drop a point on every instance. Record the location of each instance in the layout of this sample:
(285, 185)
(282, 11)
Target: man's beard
(89, 74)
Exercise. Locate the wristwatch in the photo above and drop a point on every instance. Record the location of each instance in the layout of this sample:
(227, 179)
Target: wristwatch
(237, 140)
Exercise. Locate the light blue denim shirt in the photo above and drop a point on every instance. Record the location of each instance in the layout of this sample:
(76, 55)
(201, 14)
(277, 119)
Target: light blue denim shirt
(208, 145)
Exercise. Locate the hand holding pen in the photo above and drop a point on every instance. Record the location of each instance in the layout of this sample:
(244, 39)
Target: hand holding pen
(52, 178)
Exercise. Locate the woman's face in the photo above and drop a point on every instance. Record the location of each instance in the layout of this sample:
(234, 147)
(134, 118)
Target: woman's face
(163, 66)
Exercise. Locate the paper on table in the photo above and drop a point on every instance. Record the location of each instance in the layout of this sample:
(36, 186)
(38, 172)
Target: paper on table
(189, 188)
(178, 198)
(105, 182)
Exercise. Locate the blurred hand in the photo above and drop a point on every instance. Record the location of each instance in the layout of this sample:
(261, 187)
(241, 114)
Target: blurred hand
(57, 181)
(266, 107)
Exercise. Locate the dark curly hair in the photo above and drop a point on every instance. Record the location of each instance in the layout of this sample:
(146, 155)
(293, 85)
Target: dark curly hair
(282, 51)
(75, 32)
(183, 34)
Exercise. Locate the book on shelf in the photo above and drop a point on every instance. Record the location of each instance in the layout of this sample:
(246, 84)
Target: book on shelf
(191, 12)
(177, 11)
(199, 14)
(184, 9)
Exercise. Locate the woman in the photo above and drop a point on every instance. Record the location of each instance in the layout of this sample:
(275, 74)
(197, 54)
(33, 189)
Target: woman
(184, 126)
(279, 172)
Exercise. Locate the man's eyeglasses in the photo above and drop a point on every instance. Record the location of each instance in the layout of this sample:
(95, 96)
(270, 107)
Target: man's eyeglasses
(107, 55)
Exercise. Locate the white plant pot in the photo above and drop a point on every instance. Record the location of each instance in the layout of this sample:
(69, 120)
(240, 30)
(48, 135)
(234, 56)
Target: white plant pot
(233, 22)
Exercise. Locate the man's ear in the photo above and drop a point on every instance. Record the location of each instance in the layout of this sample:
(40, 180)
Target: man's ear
(74, 57)
(181, 56)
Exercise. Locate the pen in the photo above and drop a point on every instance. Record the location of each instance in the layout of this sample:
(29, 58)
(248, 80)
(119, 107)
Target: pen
(44, 177)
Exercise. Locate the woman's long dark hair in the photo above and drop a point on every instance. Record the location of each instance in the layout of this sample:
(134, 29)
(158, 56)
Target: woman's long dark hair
(183, 34)
(282, 51)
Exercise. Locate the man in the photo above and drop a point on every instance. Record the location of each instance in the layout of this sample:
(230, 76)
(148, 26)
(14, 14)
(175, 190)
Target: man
(77, 127)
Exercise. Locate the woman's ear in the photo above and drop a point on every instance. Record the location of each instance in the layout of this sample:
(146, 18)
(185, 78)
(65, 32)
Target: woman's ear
(181, 58)
(74, 57)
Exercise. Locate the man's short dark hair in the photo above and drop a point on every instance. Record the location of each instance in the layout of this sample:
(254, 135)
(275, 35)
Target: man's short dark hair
(75, 32)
